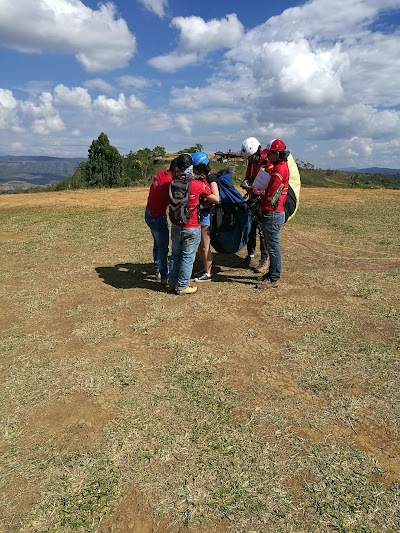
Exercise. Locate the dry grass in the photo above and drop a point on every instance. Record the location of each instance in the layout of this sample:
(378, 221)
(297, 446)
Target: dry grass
(125, 408)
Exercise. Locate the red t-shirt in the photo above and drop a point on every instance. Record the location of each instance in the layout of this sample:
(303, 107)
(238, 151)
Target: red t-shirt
(253, 168)
(279, 174)
(158, 199)
(197, 188)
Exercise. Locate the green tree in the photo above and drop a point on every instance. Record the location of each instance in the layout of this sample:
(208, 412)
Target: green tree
(196, 148)
(140, 165)
(104, 167)
(159, 152)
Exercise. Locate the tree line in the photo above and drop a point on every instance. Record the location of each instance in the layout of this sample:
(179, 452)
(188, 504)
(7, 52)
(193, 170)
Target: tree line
(106, 167)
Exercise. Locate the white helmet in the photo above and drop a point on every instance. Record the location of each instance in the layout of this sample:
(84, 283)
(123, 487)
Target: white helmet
(250, 146)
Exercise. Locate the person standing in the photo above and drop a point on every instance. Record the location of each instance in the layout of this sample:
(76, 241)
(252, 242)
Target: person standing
(273, 200)
(256, 159)
(186, 237)
(202, 170)
(156, 215)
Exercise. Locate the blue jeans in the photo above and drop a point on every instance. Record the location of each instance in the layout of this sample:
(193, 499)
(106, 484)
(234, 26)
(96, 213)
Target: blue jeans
(185, 242)
(159, 229)
(272, 223)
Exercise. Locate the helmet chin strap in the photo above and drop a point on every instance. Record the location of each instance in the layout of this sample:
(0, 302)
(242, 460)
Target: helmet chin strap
(257, 156)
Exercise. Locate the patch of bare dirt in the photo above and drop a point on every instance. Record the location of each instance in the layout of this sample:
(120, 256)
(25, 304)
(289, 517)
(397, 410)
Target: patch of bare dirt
(76, 423)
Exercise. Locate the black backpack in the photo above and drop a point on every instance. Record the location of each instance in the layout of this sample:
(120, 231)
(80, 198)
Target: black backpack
(179, 192)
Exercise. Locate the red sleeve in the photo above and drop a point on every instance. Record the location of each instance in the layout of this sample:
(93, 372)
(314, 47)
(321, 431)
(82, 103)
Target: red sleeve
(248, 171)
(276, 180)
(206, 190)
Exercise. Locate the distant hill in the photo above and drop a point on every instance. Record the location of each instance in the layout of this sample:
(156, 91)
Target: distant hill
(27, 172)
(372, 170)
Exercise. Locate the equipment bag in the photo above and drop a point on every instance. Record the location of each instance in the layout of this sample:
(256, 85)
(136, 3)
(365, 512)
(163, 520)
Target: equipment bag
(179, 192)
(231, 218)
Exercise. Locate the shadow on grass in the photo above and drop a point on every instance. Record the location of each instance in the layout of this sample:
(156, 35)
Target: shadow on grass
(227, 268)
(141, 275)
(129, 276)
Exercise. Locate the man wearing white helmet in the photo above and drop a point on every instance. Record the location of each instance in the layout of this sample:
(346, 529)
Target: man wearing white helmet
(256, 159)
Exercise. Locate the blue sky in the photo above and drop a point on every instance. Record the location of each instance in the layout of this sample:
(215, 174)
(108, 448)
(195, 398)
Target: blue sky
(322, 75)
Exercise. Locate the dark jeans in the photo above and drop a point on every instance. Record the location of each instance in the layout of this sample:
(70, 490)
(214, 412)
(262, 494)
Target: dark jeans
(272, 223)
(159, 229)
(252, 242)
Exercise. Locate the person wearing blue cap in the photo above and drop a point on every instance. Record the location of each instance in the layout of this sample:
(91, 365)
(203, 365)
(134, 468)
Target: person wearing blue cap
(202, 170)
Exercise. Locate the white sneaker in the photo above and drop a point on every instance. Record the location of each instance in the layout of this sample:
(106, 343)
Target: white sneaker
(204, 277)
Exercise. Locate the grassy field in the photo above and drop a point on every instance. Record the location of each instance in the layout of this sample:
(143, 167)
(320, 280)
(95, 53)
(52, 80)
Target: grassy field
(128, 409)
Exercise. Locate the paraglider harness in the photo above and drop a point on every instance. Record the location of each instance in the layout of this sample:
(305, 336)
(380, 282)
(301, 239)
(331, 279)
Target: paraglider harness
(231, 218)
(291, 202)
(254, 206)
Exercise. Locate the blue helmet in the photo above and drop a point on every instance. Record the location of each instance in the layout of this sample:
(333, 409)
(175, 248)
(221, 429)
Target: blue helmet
(199, 157)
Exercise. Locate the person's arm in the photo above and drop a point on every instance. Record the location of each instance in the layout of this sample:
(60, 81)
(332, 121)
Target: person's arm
(215, 191)
(212, 198)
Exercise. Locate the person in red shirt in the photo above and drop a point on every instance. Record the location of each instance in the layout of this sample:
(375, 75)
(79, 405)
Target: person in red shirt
(256, 159)
(186, 237)
(202, 170)
(156, 215)
(273, 210)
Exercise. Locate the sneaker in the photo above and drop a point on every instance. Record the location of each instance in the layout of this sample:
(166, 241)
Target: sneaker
(261, 264)
(172, 288)
(248, 262)
(268, 284)
(204, 277)
(188, 290)
(158, 276)
(198, 274)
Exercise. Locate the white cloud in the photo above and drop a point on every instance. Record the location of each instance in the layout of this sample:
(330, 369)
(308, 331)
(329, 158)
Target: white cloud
(353, 148)
(98, 39)
(136, 104)
(8, 110)
(197, 34)
(185, 123)
(7, 100)
(134, 82)
(45, 119)
(222, 92)
(352, 120)
(99, 84)
(75, 97)
(174, 61)
(157, 7)
(111, 105)
(118, 111)
(221, 117)
(197, 38)
(294, 74)
(47, 125)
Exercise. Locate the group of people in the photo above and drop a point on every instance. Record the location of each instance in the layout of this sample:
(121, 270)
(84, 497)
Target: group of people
(186, 238)
(193, 237)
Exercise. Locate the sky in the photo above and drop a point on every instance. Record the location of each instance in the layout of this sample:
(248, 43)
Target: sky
(322, 75)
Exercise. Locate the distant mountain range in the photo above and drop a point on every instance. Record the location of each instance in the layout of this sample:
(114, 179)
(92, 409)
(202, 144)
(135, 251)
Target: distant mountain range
(371, 170)
(27, 172)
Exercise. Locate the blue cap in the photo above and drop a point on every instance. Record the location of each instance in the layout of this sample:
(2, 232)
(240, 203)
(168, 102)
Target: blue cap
(199, 157)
